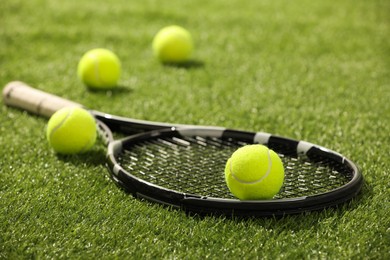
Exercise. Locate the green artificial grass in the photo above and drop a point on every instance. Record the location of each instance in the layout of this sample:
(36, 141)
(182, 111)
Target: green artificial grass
(311, 70)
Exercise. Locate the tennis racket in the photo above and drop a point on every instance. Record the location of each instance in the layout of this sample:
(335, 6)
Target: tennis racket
(183, 165)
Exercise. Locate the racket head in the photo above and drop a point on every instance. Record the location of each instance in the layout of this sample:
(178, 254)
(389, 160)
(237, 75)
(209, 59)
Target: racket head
(184, 168)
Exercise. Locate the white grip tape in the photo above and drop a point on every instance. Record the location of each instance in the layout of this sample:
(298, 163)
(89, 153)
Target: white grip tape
(20, 95)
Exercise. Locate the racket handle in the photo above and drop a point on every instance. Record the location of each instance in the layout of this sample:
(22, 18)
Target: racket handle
(20, 95)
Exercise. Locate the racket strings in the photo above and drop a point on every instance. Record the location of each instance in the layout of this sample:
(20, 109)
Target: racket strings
(195, 165)
(303, 177)
(186, 165)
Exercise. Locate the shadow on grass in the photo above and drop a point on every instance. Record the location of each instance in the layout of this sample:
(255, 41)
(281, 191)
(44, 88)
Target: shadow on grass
(94, 157)
(118, 90)
(191, 64)
(311, 219)
(300, 221)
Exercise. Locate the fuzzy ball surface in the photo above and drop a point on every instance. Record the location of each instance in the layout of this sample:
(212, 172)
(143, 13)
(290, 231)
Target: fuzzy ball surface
(99, 69)
(71, 131)
(254, 172)
(173, 44)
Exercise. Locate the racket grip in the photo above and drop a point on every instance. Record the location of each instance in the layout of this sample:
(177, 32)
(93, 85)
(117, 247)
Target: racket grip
(20, 95)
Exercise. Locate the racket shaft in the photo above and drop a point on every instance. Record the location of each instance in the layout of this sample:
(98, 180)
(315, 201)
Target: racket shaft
(20, 95)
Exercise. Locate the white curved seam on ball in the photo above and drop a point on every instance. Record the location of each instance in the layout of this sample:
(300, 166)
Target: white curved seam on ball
(256, 181)
(61, 123)
(86, 146)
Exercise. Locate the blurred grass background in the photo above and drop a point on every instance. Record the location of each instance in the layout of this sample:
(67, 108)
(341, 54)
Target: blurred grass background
(311, 70)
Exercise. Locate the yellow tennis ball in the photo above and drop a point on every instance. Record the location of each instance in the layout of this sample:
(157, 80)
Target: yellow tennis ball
(71, 130)
(99, 69)
(173, 44)
(254, 172)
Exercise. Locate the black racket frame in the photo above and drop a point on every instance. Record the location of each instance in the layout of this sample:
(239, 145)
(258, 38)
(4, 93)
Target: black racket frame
(203, 205)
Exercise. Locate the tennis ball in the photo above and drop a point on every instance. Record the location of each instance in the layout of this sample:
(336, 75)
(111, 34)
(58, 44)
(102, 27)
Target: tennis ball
(71, 130)
(173, 44)
(99, 69)
(254, 172)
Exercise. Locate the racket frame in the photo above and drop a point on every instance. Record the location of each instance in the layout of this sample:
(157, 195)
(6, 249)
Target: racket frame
(18, 94)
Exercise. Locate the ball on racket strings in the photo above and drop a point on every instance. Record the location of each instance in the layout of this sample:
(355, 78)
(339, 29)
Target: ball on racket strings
(99, 69)
(173, 44)
(254, 172)
(71, 130)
